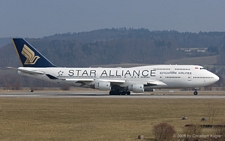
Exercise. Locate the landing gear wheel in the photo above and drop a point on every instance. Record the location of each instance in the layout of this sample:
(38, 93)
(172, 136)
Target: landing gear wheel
(123, 93)
(195, 93)
(117, 92)
(114, 92)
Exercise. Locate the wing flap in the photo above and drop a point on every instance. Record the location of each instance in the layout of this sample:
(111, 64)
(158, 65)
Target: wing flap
(155, 83)
(112, 80)
(80, 80)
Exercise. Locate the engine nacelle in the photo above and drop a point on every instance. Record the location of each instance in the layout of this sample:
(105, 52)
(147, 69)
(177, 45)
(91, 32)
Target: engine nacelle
(104, 86)
(136, 88)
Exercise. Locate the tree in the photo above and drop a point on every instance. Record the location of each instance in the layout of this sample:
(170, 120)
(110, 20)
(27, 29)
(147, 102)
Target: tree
(189, 131)
(163, 131)
(220, 131)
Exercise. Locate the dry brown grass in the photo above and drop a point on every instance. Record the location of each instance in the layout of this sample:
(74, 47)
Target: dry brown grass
(38, 119)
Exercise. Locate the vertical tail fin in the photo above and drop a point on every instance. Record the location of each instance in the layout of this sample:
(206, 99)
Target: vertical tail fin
(29, 56)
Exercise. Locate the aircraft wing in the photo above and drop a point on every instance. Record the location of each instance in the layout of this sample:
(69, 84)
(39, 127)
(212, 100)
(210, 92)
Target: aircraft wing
(80, 80)
(149, 83)
(112, 81)
(155, 83)
(87, 81)
(96, 80)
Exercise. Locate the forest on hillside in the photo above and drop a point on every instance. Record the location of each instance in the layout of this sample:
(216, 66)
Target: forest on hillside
(112, 46)
(116, 46)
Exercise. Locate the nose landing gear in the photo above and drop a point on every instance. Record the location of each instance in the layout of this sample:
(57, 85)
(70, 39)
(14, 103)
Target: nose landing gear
(196, 91)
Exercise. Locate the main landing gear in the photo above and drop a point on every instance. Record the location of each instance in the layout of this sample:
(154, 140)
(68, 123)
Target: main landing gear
(196, 92)
(117, 92)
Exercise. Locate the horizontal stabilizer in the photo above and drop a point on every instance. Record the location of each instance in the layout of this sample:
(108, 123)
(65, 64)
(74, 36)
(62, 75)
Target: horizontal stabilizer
(27, 71)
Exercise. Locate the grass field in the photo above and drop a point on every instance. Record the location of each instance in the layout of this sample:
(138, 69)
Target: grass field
(25, 119)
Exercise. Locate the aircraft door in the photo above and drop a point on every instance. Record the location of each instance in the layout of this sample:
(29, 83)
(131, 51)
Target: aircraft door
(158, 75)
(189, 78)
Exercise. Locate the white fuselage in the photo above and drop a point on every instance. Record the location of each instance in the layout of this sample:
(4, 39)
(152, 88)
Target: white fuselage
(154, 76)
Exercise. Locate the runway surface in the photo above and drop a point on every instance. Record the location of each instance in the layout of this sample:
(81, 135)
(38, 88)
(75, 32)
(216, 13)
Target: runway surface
(104, 95)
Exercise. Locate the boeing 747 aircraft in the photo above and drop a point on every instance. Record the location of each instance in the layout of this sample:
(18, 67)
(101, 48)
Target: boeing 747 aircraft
(118, 81)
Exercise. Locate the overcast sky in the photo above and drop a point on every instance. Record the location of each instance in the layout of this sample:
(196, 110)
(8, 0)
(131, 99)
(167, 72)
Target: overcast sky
(39, 18)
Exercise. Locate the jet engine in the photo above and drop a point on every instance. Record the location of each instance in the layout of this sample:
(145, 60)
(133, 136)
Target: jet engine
(137, 88)
(104, 86)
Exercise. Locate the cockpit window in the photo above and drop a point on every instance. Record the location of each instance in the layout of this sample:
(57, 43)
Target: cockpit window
(202, 68)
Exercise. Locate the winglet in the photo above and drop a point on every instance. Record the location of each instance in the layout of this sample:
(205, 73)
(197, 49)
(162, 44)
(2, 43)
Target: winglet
(29, 56)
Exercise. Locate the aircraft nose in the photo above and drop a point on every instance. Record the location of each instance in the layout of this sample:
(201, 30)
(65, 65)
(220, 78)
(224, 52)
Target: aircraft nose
(216, 78)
